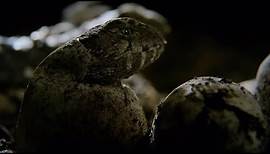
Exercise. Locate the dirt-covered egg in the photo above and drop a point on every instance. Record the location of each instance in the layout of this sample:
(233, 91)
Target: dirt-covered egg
(65, 115)
(209, 114)
(263, 86)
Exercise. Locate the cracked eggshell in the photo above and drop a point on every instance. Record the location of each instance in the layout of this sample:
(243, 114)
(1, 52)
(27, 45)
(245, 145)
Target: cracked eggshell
(209, 114)
(66, 116)
(148, 95)
(65, 105)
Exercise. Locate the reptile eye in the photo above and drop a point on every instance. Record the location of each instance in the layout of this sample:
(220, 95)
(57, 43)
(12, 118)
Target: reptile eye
(125, 31)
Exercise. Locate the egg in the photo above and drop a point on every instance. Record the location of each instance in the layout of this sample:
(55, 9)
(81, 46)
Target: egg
(263, 88)
(209, 114)
(77, 116)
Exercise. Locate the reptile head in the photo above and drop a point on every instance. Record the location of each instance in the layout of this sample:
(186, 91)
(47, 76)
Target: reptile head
(122, 46)
(123, 37)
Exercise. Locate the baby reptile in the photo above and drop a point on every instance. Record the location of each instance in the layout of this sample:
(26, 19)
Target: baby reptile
(75, 99)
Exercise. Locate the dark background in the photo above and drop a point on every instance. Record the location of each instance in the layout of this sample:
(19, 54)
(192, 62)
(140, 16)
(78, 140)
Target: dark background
(226, 40)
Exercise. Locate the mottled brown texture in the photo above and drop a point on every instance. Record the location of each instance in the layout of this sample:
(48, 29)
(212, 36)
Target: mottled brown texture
(109, 52)
(120, 48)
(148, 95)
(75, 99)
(212, 115)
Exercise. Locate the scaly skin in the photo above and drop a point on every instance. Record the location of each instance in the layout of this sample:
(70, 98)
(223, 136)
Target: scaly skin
(75, 100)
